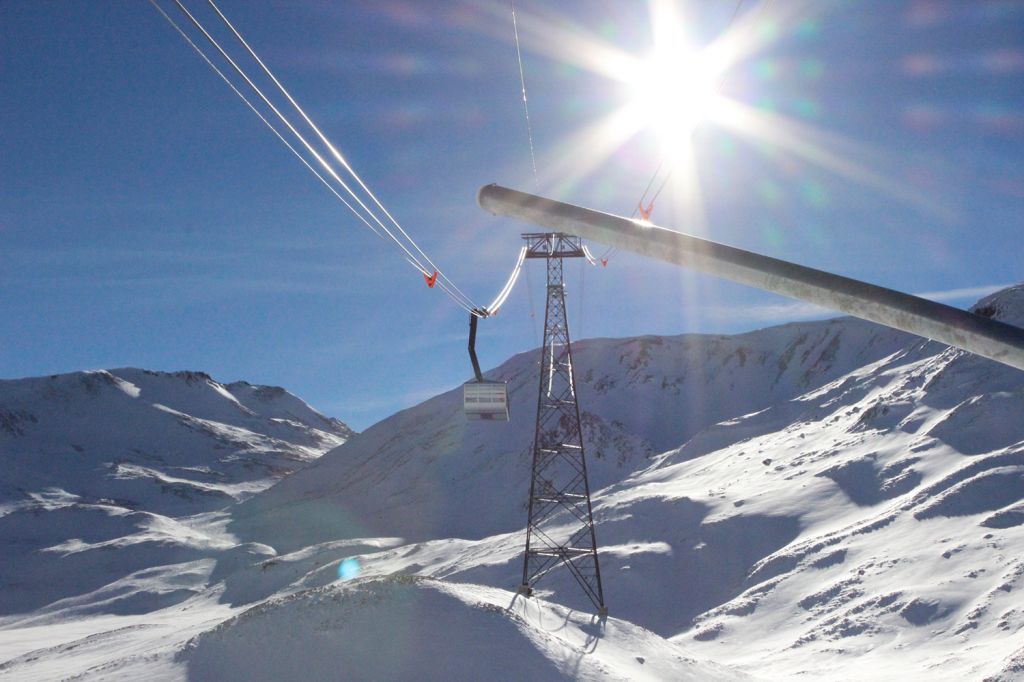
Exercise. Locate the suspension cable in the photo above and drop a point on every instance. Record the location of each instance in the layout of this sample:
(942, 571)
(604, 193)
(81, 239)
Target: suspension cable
(383, 232)
(286, 122)
(334, 151)
(581, 297)
(499, 300)
(263, 118)
(459, 298)
(526, 106)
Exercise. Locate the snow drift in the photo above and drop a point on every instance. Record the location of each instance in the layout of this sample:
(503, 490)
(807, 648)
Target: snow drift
(404, 628)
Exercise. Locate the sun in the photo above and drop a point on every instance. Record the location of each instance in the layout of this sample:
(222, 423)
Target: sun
(677, 86)
(671, 92)
(663, 94)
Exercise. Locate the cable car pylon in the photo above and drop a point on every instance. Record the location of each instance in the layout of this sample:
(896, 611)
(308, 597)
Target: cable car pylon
(560, 526)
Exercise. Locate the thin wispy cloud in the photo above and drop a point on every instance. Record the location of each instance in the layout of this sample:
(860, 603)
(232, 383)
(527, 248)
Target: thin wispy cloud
(968, 292)
(798, 310)
(106, 256)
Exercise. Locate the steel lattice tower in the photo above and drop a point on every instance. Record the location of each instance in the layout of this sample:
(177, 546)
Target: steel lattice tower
(559, 472)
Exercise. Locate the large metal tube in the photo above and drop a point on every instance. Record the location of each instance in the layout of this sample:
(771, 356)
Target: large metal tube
(980, 335)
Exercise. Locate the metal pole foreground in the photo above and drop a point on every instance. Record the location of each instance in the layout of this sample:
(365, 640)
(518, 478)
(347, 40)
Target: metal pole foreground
(980, 335)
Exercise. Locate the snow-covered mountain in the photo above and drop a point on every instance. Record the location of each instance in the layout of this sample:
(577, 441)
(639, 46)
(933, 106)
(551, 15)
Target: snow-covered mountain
(426, 472)
(851, 490)
(125, 433)
(830, 500)
(100, 472)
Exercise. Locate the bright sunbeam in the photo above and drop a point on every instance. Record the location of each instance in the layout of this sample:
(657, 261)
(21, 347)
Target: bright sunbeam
(671, 93)
(583, 152)
(674, 89)
(828, 151)
(665, 95)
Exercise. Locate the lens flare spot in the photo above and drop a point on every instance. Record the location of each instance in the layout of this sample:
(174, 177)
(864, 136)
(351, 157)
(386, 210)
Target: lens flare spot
(808, 28)
(997, 118)
(770, 192)
(772, 234)
(924, 13)
(814, 194)
(767, 104)
(923, 118)
(768, 31)
(567, 71)
(921, 65)
(811, 69)
(348, 569)
(726, 145)
(1011, 187)
(766, 69)
(606, 190)
(1003, 61)
(609, 30)
(807, 108)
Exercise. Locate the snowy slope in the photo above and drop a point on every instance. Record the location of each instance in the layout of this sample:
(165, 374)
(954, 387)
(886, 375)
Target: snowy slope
(427, 473)
(875, 515)
(871, 528)
(826, 500)
(101, 473)
(394, 628)
(413, 628)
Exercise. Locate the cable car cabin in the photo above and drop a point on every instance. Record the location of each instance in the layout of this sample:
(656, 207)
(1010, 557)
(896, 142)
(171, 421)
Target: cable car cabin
(485, 400)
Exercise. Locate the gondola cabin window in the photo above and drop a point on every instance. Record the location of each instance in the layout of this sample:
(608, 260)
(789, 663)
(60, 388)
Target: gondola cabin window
(485, 400)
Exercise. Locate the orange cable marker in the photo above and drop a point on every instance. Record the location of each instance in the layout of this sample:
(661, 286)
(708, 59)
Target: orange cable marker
(431, 280)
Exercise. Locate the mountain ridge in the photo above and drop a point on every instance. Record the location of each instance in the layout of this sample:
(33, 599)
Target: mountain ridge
(638, 397)
(99, 464)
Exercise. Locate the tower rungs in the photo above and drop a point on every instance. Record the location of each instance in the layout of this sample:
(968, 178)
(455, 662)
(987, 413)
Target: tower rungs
(560, 448)
(578, 551)
(560, 498)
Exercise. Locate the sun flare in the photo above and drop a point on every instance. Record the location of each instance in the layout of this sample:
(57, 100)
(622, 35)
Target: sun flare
(671, 93)
(677, 86)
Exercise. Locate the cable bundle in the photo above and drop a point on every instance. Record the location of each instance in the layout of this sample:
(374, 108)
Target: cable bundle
(327, 163)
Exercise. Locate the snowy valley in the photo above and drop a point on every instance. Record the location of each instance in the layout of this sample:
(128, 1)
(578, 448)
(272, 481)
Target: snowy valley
(830, 500)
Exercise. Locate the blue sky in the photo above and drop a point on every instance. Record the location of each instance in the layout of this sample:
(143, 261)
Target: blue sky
(149, 219)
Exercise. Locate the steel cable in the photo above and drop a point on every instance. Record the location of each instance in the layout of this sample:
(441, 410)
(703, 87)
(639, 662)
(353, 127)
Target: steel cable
(410, 257)
(263, 118)
(443, 281)
(334, 151)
